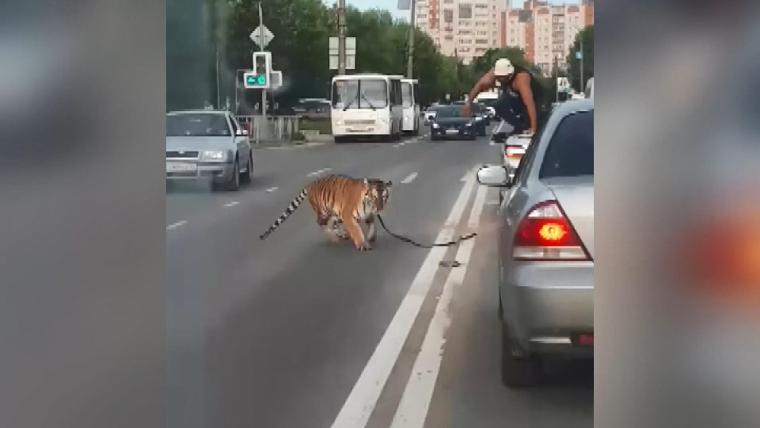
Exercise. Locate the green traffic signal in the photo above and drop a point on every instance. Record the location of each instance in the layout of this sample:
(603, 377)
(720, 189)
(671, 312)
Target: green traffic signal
(250, 80)
(262, 80)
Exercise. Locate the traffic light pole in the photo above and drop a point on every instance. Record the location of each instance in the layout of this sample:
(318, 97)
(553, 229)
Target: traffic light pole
(410, 59)
(263, 125)
(341, 37)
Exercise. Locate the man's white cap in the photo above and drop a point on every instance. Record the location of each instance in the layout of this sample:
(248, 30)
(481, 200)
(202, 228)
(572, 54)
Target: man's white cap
(503, 67)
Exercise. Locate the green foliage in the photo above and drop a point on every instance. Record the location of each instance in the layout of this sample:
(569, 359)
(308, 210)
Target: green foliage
(574, 69)
(299, 49)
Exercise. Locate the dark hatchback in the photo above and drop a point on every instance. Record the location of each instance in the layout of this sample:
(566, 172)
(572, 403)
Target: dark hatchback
(449, 122)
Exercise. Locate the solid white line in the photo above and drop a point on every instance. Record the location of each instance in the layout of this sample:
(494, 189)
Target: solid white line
(469, 175)
(477, 208)
(176, 225)
(415, 401)
(232, 204)
(363, 397)
(272, 189)
(319, 171)
(409, 179)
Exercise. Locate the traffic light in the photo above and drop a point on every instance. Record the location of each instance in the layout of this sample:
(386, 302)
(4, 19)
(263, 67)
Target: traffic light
(258, 78)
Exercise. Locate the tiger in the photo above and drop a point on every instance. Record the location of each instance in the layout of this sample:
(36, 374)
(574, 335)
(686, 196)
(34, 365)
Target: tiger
(343, 205)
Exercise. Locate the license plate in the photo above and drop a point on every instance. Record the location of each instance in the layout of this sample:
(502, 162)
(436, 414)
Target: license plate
(180, 167)
(452, 132)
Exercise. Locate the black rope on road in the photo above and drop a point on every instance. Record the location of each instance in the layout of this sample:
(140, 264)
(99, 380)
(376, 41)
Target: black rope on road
(417, 244)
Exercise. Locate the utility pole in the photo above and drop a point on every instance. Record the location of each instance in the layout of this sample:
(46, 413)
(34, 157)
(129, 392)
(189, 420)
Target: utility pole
(583, 58)
(263, 125)
(410, 64)
(218, 94)
(341, 36)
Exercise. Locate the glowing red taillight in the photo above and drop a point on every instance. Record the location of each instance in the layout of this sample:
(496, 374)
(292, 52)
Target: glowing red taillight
(546, 234)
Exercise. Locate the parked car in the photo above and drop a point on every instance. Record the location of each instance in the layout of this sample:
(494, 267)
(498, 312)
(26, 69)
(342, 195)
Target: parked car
(430, 114)
(449, 121)
(546, 246)
(313, 108)
(208, 145)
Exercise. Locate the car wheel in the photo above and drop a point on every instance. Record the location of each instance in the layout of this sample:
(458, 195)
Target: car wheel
(517, 372)
(247, 176)
(233, 184)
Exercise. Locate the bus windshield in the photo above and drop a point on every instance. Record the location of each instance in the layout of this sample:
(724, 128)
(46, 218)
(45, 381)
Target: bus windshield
(360, 94)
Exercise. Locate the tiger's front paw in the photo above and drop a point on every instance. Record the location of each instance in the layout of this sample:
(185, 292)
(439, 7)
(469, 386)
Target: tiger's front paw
(364, 247)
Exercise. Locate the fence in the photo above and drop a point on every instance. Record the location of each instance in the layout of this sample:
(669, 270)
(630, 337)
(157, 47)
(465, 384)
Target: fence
(275, 129)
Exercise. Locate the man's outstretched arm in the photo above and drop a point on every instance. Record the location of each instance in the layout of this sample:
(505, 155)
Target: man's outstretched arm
(486, 82)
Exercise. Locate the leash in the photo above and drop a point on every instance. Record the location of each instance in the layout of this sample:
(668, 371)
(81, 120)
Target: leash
(417, 244)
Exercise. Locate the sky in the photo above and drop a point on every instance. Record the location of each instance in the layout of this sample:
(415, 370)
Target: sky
(392, 5)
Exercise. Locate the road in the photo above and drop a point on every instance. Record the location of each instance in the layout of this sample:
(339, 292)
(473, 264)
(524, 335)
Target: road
(296, 331)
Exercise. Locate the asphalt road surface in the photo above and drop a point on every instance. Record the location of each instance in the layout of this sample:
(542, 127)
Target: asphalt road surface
(295, 331)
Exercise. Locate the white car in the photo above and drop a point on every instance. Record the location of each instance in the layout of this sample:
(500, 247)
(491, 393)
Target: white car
(208, 145)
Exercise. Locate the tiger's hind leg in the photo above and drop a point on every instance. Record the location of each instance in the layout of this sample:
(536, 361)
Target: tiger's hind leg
(327, 223)
(340, 230)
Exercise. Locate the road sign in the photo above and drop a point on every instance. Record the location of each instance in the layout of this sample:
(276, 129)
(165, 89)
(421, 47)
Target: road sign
(563, 84)
(350, 53)
(404, 4)
(256, 37)
(578, 55)
(275, 78)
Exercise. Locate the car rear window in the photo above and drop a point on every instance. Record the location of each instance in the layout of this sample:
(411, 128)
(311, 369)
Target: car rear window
(571, 149)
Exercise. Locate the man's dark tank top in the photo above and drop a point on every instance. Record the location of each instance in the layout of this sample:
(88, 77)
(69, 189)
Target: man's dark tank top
(511, 106)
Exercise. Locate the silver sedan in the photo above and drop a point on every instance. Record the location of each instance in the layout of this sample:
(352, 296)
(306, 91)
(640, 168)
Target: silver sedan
(546, 246)
(208, 145)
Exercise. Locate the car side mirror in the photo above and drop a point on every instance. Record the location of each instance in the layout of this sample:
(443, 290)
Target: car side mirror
(494, 176)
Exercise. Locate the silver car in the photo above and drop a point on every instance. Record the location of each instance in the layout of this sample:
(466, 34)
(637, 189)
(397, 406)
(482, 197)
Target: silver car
(208, 145)
(546, 246)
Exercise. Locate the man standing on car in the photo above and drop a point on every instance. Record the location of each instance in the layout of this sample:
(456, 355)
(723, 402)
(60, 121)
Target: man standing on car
(518, 100)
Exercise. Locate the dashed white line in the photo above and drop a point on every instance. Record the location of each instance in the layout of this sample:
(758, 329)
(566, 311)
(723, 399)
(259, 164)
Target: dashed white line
(399, 145)
(176, 225)
(363, 398)
(272, 189)
(409, 178)
(319, 171)
(413, 407)
(232, 204)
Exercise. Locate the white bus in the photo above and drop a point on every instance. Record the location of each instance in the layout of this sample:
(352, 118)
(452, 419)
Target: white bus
(411, 103)
(366, 105)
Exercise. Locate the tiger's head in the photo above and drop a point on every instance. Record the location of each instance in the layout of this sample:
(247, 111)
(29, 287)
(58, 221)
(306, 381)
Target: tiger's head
(377, 193)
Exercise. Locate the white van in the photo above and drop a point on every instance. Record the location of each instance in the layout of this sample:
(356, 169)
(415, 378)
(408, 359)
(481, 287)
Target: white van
(365, 105)
(410, 101)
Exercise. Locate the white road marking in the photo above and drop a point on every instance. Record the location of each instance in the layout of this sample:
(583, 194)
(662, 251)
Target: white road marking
(317, 172)
(232, 204)
(363, 398)
(272, 189)
(410, 178)
(477, 208)
(399, 145)
(492, 202)
(176, 225)
(470, 174)
(415, 401)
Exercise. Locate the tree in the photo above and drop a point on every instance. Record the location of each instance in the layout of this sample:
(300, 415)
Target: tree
(574, 69)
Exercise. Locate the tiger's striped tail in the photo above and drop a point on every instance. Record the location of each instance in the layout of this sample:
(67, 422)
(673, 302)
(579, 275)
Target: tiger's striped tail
(294, 204)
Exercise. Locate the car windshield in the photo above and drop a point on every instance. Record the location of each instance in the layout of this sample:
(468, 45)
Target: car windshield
(449, 111)
(360, 94)
(571, 149)
(197, 125)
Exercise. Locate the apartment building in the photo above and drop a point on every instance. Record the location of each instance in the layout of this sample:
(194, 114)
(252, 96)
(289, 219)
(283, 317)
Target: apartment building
(545, 32)
(468, 28)
(462, 28)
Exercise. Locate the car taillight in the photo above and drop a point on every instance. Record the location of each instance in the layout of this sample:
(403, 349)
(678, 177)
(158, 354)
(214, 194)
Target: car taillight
(546, 234)
(514, 152)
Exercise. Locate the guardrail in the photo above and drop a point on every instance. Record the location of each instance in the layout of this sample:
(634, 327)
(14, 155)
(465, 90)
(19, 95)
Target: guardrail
(275, 129)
